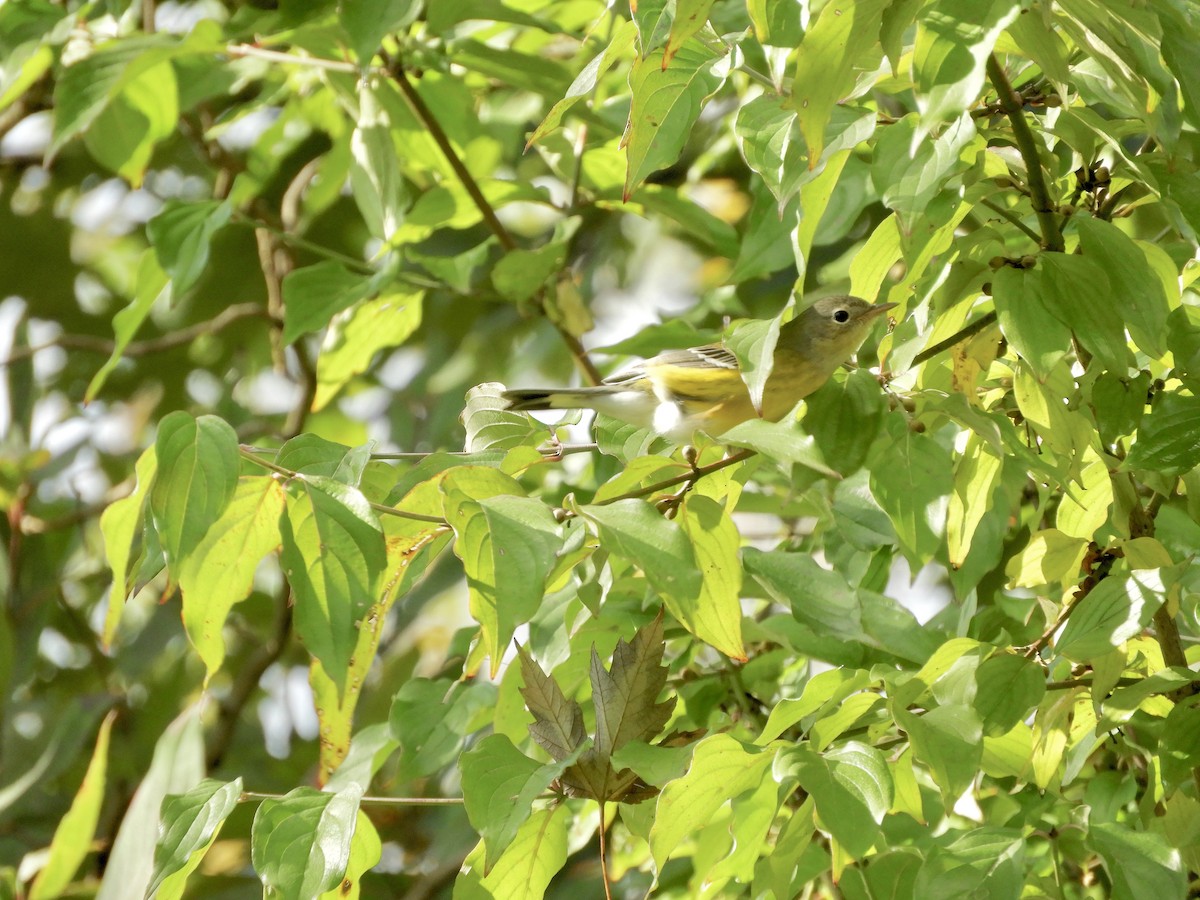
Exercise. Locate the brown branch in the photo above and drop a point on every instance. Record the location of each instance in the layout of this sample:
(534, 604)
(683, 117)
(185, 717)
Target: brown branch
(691, 478)
(425, 115)
(1013, 105)
(104, 346)
(962, 334)
(230, 710)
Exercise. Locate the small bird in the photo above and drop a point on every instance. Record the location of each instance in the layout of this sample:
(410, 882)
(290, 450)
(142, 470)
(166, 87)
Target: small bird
(680, 392)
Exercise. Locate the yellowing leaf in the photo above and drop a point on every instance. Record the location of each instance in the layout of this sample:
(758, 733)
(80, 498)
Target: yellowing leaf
(220, 572)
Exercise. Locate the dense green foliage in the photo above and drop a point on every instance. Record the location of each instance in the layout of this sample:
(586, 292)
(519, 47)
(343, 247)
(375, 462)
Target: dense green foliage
(277, 571)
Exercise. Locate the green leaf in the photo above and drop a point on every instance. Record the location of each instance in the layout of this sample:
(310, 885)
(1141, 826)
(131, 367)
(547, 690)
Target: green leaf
(313, 295)
(311, 454)
(522, 273)
(150, 287)
(220, 571)
(666, 104)
(776, 22)
(1078, 292)
(975, 478)
(690, 17)
(333, 557)
(954, 38)
(525, 870)
(491, 425)
(634, 530)
(197, 477)
(358, 334)
(507, 543)
(189, 823)
(500, 784)
(1119, 402)
(852, 788)
(783, 442)
(1168, 438)
(1035, 332)
(1049, 557)
(177, 767)
(585, 82)
(715, 615)
(368, 22)
(948, 740)
(430, 719)
(768, 132)
(75, 830)
(753, 343)
(366, 849)
(300, 844)
(120, 523)
(913, 488)
(375, 177)
(1114, 610)
(984, 862)
(1138, 864)
(844, 417)
(722, 768)
(836, 46)
(1140, 299)
(766, 244)
(836, 613)
(1008, 688)
(144, 112)
(909, 170)
(182, 236)
(85, 87)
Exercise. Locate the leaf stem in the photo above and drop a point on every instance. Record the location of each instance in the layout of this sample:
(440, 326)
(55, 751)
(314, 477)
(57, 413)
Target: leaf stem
(1012, 104)
(382, 509)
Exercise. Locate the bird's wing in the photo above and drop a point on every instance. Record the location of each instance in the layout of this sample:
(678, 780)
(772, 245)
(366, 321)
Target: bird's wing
(707, 374)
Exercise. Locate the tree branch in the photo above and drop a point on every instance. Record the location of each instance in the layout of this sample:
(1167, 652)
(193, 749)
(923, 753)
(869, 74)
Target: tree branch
(425, 115)
(1012, 104)
(368, 800)
(967, 331)
(691, 478)
(90, 344)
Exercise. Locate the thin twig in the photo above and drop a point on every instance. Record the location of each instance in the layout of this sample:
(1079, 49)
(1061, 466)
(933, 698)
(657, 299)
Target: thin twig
(251, 796)
(425, 115)
(1012, 104)
(248, 677)
(692, 477)
(967, 331)
(247, 454)
(90, 344)
(1012, 218)
(316, 62)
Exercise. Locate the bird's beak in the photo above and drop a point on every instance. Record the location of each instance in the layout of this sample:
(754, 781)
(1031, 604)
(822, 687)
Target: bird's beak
(878, 309)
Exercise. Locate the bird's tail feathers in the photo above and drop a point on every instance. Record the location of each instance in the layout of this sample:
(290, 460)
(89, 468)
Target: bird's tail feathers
(526, 399)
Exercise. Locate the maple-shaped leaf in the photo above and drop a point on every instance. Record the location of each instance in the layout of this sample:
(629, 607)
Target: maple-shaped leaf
(625, 696)
(558, 722)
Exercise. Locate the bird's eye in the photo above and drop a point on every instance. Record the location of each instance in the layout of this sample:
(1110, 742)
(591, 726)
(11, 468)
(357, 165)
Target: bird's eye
(841, 317)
